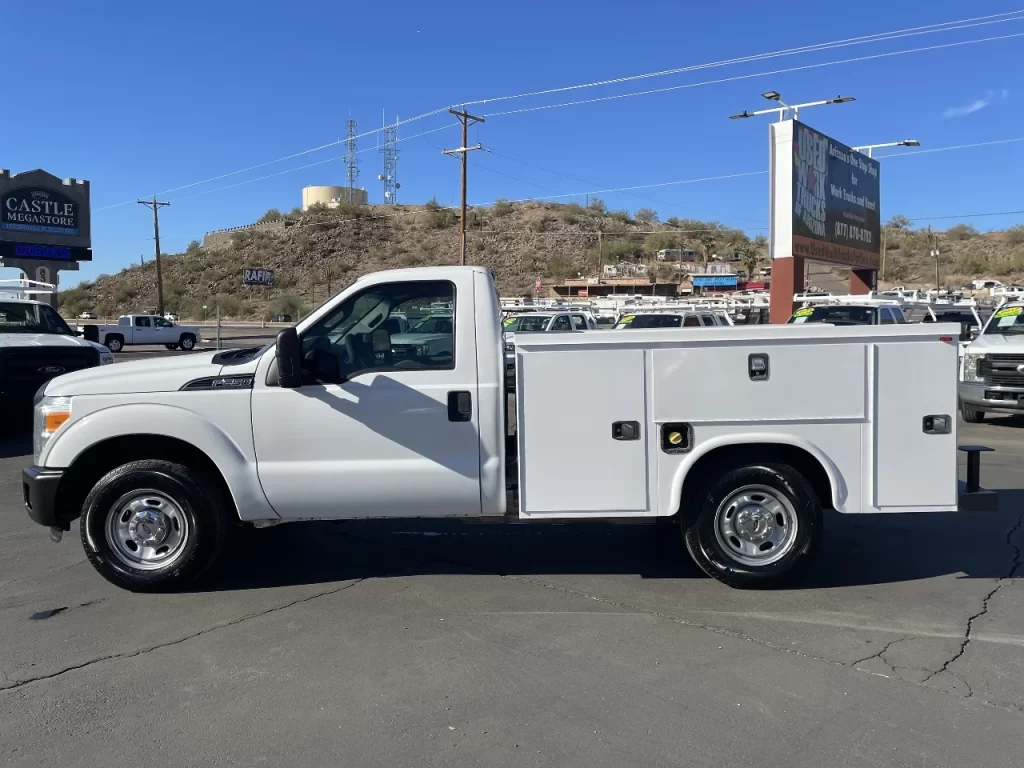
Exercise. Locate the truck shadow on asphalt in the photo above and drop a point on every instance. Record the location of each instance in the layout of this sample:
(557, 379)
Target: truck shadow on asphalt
(857, 550)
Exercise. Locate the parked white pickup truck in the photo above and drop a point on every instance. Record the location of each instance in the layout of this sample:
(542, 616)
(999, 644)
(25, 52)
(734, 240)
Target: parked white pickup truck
(992, 367)
(143, 329)
(743, 435)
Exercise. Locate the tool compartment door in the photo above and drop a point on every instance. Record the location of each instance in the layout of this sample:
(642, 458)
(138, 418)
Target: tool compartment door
(572, 460)
(913, 468)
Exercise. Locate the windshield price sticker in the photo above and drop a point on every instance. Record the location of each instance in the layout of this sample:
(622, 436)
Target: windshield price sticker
(627, 319)
(509, 320)
(1009, 312)
(804, 312)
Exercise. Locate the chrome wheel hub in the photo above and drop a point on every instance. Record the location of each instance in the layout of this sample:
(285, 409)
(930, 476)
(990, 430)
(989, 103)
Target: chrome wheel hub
(756, 525)
(146, 529)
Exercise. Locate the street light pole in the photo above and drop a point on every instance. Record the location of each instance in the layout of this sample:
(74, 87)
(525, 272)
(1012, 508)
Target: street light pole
(867, 148)
(784, 107)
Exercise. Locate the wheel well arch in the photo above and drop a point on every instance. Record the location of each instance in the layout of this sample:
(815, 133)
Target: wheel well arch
(101, 457)
(823, 481)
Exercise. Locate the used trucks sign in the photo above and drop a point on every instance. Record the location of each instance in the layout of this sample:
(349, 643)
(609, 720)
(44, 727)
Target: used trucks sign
(825, 199)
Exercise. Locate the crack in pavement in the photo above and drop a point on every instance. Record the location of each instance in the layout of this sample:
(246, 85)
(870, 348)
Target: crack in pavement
(880, 655)
(177, 641)
(968, 635)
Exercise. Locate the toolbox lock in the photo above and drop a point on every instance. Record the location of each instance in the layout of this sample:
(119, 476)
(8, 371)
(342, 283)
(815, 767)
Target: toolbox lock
(757, 367)
(937, 425)
(626, 430)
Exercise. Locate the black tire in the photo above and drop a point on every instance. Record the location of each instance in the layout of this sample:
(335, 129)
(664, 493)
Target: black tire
(187, 342)
(114, 343)
(171, 347)
(709, 547)
(202, 514)
(971, 415)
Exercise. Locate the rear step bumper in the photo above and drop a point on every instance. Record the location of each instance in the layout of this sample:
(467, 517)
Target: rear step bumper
(972, 497)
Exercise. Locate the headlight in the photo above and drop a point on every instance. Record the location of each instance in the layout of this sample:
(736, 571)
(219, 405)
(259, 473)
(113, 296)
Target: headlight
(971, 363)
(49, 415)
(422, 350)
(106, 359)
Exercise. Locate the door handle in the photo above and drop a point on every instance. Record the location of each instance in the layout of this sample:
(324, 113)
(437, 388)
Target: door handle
(460, 406)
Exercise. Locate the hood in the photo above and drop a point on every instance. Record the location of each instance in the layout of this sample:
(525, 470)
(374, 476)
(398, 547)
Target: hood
(157, 374)
(998, 342)
(40, 340)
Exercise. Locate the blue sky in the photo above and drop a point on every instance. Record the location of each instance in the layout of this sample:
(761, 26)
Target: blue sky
(140, 98)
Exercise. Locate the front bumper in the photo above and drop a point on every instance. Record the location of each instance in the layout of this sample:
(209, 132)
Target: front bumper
(989, 397)
(39, 486)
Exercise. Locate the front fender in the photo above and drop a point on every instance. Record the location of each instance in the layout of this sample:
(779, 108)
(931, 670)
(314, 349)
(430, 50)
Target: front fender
(234, 463)
(835, 477)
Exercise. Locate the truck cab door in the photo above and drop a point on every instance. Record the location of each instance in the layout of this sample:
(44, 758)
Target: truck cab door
(379, 428)
(142, 333)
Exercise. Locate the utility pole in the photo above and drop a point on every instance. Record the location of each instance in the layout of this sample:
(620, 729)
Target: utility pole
(935, 255)
(467, 120)
(155, 205)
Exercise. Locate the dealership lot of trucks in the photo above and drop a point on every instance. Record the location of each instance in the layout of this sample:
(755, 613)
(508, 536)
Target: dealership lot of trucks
(431, 642)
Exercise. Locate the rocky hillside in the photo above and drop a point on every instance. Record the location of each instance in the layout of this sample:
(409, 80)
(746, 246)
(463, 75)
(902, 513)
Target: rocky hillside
(323, 250)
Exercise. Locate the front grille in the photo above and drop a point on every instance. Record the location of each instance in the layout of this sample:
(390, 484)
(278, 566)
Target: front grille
(1002, 370)
(24, 370)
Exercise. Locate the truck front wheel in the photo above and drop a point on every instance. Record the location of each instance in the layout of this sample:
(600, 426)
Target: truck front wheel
(971, 415)
(152, 526)
(754, 526)
(187, 342)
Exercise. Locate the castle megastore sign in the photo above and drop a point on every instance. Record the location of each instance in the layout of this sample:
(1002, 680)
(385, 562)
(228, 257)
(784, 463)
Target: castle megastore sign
(40, 211)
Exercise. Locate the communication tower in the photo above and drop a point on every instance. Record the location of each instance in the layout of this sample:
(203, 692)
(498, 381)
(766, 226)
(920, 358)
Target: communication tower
(389, 149)
(351, 159)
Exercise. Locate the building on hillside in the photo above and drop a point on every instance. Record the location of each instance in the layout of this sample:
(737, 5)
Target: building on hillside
(677, 254)
(332, 196)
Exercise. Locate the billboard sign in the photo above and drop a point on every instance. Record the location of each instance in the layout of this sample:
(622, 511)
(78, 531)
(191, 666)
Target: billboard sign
(43, 218)
(39, 210)
(257, 277)
(825, 199)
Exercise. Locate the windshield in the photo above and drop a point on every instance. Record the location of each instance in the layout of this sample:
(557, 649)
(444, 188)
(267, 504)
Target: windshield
(650, 321)
(1008, 320)
(31, 318)
(527, 323)
(432, 325)
(834, 315)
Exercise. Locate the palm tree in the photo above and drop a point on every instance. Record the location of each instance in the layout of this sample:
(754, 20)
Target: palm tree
(749, 253)
(705, 241)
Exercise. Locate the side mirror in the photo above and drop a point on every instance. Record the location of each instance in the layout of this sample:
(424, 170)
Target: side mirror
(289, 359)
(973, 332)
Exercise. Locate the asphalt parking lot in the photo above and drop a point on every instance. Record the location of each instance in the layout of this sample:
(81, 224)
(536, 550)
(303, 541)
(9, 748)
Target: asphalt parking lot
(413, 643)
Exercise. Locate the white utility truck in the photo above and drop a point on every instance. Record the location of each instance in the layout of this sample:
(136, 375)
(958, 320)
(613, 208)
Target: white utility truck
(143, 329)
(741, 434)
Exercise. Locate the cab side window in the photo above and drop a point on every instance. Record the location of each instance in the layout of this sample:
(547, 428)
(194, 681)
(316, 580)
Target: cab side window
(691, 321)
(142, 322)
(561, 324)
(390, 327)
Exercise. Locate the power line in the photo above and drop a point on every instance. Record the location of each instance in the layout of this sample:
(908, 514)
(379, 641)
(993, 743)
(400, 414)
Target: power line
(865, 39)
(944, 149)
(964, 216)
(949, 26)
(736, 78)
(302, 167)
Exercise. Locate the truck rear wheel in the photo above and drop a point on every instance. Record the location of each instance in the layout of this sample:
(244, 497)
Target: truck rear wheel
(152, 526)
(114, 343)
(755, 526)
(971, 415)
